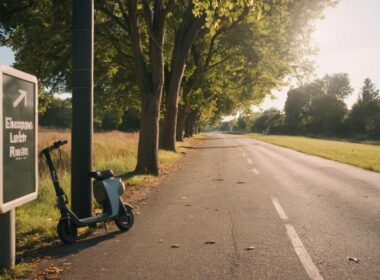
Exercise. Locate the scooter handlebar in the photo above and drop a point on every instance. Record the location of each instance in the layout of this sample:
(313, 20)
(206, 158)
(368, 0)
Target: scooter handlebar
(55, 145)
(58, 143)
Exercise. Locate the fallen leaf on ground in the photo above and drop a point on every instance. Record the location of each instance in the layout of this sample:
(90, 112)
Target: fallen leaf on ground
(175, 246)
(250, 248)
(218, 179)
(210, 242)
(53, 270)
(353, 259)
(66, 263)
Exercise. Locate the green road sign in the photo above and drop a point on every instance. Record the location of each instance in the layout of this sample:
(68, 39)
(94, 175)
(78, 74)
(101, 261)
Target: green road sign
(19, 128)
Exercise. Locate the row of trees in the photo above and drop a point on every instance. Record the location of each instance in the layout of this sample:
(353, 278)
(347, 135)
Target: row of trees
(183, 62)
(317, 108)
(59, 115)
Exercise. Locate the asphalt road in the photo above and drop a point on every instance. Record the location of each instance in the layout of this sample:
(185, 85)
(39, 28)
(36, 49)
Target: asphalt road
(272, 213)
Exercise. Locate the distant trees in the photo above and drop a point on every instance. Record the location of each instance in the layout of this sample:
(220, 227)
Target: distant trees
(364, 118)
(58, 114)
(227, 126)
(270, 121)
(317, 108)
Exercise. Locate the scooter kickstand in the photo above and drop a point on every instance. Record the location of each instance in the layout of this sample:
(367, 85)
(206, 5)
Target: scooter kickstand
(105, 227)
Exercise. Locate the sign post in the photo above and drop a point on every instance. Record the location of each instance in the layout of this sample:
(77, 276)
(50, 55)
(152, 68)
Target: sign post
(82, 127)
(18, 152)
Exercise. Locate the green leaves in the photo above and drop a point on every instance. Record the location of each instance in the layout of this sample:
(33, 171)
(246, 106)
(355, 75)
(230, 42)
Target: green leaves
(244, 50)
(317, 107)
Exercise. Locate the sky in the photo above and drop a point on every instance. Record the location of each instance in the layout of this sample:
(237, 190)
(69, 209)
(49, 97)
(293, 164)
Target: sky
(348, 40)
(6, 56)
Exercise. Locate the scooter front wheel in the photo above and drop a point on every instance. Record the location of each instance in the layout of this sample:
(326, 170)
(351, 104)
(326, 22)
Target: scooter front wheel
(125, 219)
(67, 231)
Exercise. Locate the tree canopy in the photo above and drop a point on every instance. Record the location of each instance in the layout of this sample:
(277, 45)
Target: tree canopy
(209, 58)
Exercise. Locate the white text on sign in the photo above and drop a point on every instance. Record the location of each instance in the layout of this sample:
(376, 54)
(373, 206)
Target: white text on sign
(18, 137)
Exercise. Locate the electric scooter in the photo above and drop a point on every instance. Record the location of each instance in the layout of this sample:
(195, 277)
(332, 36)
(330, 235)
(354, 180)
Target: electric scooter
(107, 191)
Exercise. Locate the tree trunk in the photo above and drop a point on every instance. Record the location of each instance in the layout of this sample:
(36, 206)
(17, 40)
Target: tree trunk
(187, 125)
(150, 81)
(190, 122)
(183, 40)
(181, 117)
(147, 159)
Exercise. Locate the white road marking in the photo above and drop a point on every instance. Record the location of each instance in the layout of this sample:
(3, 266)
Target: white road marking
(249, 161)
(254, 170)
(244, 154)
(307, 262)
(279, 209)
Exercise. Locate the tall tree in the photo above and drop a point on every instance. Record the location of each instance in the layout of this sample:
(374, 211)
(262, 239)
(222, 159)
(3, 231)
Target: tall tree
(364, 118)
(317, 107)
(275, 41)
(368, 92)
(184, 37)
(39, 31)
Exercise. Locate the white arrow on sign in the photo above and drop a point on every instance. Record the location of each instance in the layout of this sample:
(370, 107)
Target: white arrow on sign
(20, 98)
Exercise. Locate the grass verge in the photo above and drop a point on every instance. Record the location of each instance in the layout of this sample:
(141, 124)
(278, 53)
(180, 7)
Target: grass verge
(361, 155)
(36, 221)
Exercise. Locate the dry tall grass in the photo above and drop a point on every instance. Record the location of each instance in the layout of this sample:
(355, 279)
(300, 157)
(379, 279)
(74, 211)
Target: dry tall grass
(112, 150)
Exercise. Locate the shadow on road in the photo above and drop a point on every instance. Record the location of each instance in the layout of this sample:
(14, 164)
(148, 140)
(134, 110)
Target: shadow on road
(224, 138)
(65, 250)
(211, 147)
(60, 251)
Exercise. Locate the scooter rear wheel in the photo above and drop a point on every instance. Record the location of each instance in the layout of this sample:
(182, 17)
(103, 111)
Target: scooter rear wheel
(67, 231)
(126, 219)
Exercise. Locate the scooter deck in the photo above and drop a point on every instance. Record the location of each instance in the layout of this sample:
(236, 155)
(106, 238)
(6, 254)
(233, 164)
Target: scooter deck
(95, 219)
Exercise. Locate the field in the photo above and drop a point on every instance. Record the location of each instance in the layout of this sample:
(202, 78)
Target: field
(361, 155)
(36, 221)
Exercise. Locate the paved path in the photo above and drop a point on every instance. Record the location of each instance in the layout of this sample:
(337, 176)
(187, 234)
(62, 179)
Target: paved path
(301, 215)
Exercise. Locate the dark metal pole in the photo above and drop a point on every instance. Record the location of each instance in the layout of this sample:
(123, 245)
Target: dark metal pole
(7, 239)
(82, 126)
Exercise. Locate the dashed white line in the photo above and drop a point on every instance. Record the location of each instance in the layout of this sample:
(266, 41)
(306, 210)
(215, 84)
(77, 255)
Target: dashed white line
(249, 161)
(254, 170)
(279, 209)
(307, 262)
